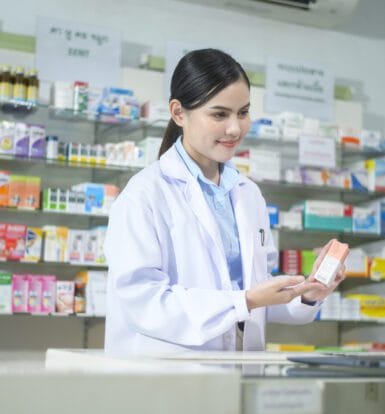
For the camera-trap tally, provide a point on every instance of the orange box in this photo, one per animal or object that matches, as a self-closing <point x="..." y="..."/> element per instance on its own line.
<point x="4" y="188"/>
<point x="3" y="251"/>
<point x="31" y="194"/>
<point x="16" y="190"/>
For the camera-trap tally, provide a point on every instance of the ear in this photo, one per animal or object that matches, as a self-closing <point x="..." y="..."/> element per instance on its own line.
<point x="176" y="111"/>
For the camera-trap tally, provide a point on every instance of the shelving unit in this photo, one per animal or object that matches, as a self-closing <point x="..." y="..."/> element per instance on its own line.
<point x="75" y="127"/>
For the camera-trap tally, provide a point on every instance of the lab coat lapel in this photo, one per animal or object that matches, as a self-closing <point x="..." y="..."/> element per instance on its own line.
<point x="172" y="166"/>
<point x="245" y="220"/>
<point x="204" y="215"/>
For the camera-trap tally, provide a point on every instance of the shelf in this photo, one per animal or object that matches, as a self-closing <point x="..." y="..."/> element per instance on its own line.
<point x="15" y="263"/>
<point x="68" y="164"/>
<point x="343" y="149"/>
<point x="282" y="185"/>
<point x="18" y="107"/>
<point x="53" y="213"/>
<point x="363" y="236"/>
<point x="354" y="321"/>
<point x="56" y="315"/>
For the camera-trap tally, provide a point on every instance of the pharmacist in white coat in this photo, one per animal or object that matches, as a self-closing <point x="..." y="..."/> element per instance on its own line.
<point x="188" y="245"/>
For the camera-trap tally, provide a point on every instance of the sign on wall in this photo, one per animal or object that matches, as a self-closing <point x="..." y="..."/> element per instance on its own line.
<point x="71" y="51"/>
<point x="299" y="87"/>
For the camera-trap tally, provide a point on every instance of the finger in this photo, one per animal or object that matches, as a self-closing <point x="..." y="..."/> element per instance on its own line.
<point x="287" y="281"/>
<point x="308" y="287"/>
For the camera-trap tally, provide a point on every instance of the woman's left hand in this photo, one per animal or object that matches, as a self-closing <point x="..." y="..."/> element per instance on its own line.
<point x="321" y="292"/>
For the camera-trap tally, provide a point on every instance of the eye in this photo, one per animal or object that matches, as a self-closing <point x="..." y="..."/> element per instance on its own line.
<point x="244" y="114"/>
<point x="219" y="115"/>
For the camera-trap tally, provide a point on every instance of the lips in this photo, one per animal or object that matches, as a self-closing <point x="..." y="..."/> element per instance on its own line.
<point x="228" y="144"/>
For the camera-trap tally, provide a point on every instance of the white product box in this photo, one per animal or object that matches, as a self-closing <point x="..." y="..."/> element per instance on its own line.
<point x="5" y="292"/>
<point x="55" y="244"/>
<point x="265" y="165"/>
<point x="357" y="263"/>
<point x="65" y="292"/>
<point x="291" y="220"/>
<point x="150" y="147"/>
<point x="63" y="95"/>
<point x="156" y="111"/>
<point x="367" y="218"/>
<point x="76" y="240"/>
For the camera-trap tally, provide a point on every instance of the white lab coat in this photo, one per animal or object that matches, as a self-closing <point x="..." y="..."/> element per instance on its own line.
<point x="169" y="288"/>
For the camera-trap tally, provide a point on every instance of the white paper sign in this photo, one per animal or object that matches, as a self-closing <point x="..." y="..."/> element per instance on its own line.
<point x="317" y="152"/>
<point x="69" y="51"/>
<point x="284" y="398"/>
<point x="302" y="87"/>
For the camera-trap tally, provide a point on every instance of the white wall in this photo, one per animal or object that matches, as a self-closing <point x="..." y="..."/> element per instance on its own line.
<point x="360" y="61"/>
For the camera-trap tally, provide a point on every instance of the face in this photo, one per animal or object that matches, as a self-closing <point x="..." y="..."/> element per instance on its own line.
<point x="212" y="132"/>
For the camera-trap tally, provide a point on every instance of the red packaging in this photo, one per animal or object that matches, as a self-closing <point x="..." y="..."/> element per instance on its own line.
<point x="15" y="241"/>
<point x="291" y="262"/>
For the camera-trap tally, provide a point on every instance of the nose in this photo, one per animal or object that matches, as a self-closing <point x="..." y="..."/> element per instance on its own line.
<point x="233" y="127"/>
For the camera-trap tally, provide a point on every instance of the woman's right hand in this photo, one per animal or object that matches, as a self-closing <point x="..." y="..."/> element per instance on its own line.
<point x="277" y="290"/>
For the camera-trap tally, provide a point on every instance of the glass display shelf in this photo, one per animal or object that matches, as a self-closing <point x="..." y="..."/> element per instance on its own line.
<point x="279" y="185"/>
<point x="42" y="264"/>
<point x="363" y="236"/>
<point x="51" y="212"/>
<point x="354" y="321"/>
<point x="18" y="106"/>
<point x="56" y="315"/>
<point x="67" y="164"/>
<point x="253" y="141"/>
<point x="283" y="185"/>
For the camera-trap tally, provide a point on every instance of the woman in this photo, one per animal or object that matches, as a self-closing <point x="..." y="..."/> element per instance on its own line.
<point x="188" y="244"/>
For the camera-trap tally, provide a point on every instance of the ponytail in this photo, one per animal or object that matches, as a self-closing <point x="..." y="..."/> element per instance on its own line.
<point x="173" y="131"/>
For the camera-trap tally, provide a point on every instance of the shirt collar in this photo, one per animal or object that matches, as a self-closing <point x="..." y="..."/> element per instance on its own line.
<point x="228" y="173"/>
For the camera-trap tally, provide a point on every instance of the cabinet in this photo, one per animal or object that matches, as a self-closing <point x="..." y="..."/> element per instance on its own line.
<point x="40" y="332"/>
<point x="24" y="331"/>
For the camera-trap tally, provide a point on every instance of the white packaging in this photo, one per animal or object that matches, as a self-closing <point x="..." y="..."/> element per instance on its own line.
<point x="324" y="208"/>
<point x="265" y="165"/>
<point x="356" y="263"/>
<point x="328" y="270"/>
<point x="367" y="218"/>
<point x="5" y="292"/>
<point x="65" y="295"/>
<point x="156" y="112"/>
<point x="290" y="220"/>
<point x="63" y="95"/>
<point x="98" y="292"/>
<point x="7" y="137"/>
<point x="76" y="240"/>
<point x="151" y="147"/>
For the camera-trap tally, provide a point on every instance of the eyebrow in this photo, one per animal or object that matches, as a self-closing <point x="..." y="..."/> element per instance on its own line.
<point x="224" y="108"/>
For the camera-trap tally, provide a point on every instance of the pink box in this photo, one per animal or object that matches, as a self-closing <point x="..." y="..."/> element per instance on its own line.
<point x="34" y="294"/>
<point x="48" y="294"/>
<point x="19" y="293"/>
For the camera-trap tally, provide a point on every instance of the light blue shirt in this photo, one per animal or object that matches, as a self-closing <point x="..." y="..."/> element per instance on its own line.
<point x="219" y="200"/>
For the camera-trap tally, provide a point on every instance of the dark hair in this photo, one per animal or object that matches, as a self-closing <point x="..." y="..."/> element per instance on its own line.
<point x="199" y="76"/>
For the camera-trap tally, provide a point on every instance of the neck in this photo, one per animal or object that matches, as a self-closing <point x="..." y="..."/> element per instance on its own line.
<point x="209" y="168"/>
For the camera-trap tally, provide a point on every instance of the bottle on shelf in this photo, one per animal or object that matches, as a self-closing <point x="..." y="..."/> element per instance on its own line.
<point x="20" y="85"/>
<point x="6" y="84"/>
<point x="32" y="86"/>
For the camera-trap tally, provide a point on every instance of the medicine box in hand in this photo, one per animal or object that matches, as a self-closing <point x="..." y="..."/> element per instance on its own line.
<point x="331" y="263"/>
